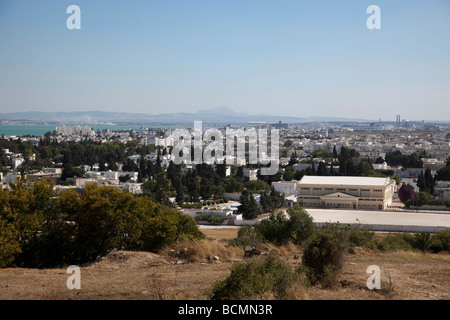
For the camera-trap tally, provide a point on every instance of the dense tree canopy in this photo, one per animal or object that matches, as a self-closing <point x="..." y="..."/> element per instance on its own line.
<point x="396" y="158"/>
<point x="405" y="193"/>
<point x="42" y="228"/>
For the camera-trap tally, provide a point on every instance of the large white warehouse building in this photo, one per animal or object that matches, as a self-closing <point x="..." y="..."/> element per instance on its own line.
<point x="345" y="192"/>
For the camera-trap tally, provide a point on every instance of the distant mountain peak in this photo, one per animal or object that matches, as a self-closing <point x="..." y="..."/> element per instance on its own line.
<point x="220" y="110"/>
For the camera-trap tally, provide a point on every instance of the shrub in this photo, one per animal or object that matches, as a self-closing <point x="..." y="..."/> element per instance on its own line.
<point x="422" y="241"/>
<point x="363" y="237"/>
<point x="247" y="236"/>
<point x="279" y="228"/>
<point x="324" y="254"/>
<point x="257" y="278"/>
<point x="441" y="241"/>
<point x="211" y="219"/>
<point x="9" y="246"/>
<point x="39" y="228"/>
<point x="395" y="242"/>
<point x="195" y="205"/>
<point x="165" y="227"/>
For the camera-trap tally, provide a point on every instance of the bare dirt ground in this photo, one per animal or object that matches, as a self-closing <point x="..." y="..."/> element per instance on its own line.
<point x="189" y="272"/>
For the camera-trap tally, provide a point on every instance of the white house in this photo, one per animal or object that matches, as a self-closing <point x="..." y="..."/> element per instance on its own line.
<point x="442" y="189"/>
<point x="287" y="188"/>
<point x="381" y="166"/>
<point x="11" y="177"/>
<point x="115" y="175"/>
<point x="251" y="174"/>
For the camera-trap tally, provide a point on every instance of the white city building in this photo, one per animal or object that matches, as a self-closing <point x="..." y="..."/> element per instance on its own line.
<point x="287" y="188"/>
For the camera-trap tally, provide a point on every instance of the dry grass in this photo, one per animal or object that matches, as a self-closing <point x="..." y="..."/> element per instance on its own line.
<point x="128" y="259"/>
<point x="143" y="275"/>
<point x="204" y="251"/>
<point x="220" y="235"/>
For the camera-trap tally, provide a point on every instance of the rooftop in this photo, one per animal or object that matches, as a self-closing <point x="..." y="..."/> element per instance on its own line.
<point x="344" y="180"/>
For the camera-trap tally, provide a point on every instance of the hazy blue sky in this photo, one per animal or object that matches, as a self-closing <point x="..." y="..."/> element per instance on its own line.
<point x="286" y="57"/>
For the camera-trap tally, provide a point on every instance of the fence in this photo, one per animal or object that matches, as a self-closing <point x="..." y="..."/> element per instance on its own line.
<point x="418" y="210"/>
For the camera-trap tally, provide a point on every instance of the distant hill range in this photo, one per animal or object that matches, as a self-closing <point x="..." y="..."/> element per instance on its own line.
<point x="219" y="115"/>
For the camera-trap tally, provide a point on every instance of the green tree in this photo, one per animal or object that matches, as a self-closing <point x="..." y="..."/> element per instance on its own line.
<point x="276" y="198"/>
<point x="379" y="160"/>
<point x="105" y="221"/>
<point x="129" y="166"/>
<point x="70" y="172"/>
<point x="343" y="158"/>
<point x="9" y="235"/>
<point x="293" y="160"/>
<point x="429" y="181"/>
<point x="254" y="278"/>
<point x="9" y="246"/>
<point x="405" y="193"/>
<point x="265" y="201"/>
<point x="221" y="170"/>
<point x="324" y="254"/>
<point x="289" y="173"/>
<point x="249" y="208"/>
<point x="233" y="184"/>
<point x="162" y="227"/>
<point x="279" y="228"/>
<point x="162" y="189"/>
<point x="332" y="173"/>
<point x="443" y="173"/>
<point x="148" y="187"/>
<point x="421" y="183"/>
<point x="422" y="241"/>
<point x="124" y="178"/>
<point x="240" y="172"/>
<point x="322" y="169"/>
<point x="288" y="143"/>
<point x="270" y="200"/>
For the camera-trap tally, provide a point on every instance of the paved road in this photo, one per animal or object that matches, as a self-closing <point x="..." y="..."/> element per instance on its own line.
<point x="384" y="220"/>
<point x="376" y="220"/>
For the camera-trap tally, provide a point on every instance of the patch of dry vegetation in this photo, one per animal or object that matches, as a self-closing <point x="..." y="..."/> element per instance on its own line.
<point x="130" y="259"/>
<point x="143" y="275"/>
<point x="203" y="251"/>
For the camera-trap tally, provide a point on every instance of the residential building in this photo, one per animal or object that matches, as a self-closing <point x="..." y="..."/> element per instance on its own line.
<point x="442" y="190"/>
<point x="251" y="174"/>
<point x="433" y="164"/>
<point x="287" y="188"/>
